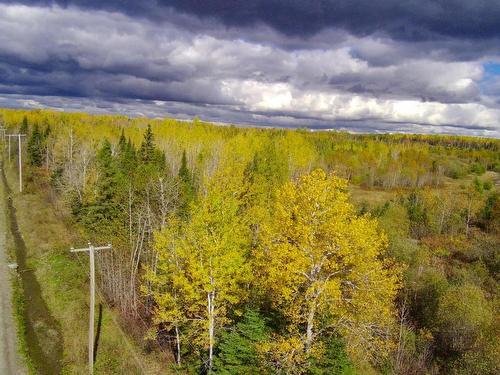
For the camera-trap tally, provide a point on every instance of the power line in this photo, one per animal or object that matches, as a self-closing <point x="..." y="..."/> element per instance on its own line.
<point x="91" y="250"/>
<point x="18" y="136"/>
<point x="117" y="324"/>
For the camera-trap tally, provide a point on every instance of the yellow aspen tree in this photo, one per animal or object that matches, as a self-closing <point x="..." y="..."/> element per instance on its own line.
<point x="321" y="265"/>
<point x="205" y="267"/>
<point x="166" y="288"/>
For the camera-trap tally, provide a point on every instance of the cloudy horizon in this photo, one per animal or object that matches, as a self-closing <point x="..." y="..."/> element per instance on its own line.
<point x="388" y="66"/>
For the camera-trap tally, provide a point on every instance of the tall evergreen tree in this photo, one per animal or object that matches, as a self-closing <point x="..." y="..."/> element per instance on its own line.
<point x="187" y="192"/>
<point x="122" y="142"/>
<point x="147" y="151"/>
<point x="107" y="174"/>
<point x="184" y="173"/>
<point x="100" y="213"/>
<point x="24" y="126"/>
<point x="126" y="155"/>
<point x="35" y="147"/>
<point x="47" y="132"/>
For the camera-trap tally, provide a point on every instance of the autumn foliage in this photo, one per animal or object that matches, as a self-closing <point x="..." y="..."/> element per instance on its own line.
<point x="250" y="251"/>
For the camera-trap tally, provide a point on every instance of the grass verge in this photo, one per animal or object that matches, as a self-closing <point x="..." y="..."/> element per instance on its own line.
<point x="18" y="303"/>
<point x="48" y="234"/>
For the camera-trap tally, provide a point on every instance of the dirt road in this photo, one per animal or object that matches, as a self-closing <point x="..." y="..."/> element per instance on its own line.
<point x="9" y="359"/>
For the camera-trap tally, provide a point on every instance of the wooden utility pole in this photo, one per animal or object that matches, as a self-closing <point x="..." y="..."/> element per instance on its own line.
<point x="20" y="163"/>
<point x="19" y="135"/>
<point x="91" y="249"/>
<point x="2" y="130"/>
<point x="8" y="135"/>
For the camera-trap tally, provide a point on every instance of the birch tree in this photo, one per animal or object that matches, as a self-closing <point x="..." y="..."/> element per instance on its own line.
<point x="203" y="272"/>
<point x="321" y="266"/>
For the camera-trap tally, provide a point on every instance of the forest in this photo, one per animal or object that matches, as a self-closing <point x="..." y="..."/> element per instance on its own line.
<point x="274" y="251"/>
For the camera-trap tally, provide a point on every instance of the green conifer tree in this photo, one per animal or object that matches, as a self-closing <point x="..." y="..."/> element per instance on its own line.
<point x="122" y="142"/>
<point x="187" y="191"/>
<point x="335" y="360"/>
<point x="237" y="349"/>
<point x="24" y="126"/>
<point x="126" y="155"/>
<point x="106" y="173"/>
<point x="100" y="213"/>
<point x="47" y="132"/>
<point x="35" y="145"/>
<point x="147" y="150"/>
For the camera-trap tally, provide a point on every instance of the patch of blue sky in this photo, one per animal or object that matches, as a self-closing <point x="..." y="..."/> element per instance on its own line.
<point x="492" y="68"/>
<point x="490" y="77"/>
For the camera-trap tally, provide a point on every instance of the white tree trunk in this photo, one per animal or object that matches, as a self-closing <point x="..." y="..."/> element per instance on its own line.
<point x="211" y="324"/>
<point x="310" y="326"/>
<point x="178" y="339"/>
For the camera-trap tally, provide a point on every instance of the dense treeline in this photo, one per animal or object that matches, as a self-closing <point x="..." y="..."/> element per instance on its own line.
<point x="242" y="248"/>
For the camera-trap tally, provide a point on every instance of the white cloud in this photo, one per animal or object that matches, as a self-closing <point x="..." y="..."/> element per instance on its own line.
<point x="339" y="106"/>
<point x="103" y="55"/>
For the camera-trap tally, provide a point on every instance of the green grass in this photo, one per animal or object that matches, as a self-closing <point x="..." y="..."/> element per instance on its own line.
<point x="17" y="299"/>
<point x="372" y="198"/>
<point x="18" y="303"/>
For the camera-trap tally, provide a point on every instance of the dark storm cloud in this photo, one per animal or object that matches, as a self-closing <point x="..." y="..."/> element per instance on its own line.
<point x="402" y="19"/>
<point x="96" y="56"/>
<point x="454" y="30"/>
<point x="413" y="19"/>
<point x="296" y="63"/>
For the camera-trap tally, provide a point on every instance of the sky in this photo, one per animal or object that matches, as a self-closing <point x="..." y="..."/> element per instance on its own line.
<point x="420" y="66"/>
